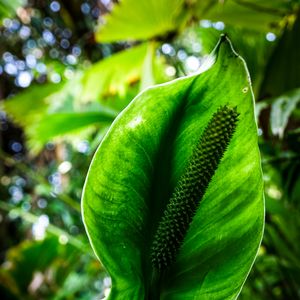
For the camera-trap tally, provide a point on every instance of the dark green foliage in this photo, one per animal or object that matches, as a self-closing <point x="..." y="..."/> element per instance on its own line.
<point x="192" y="186"/>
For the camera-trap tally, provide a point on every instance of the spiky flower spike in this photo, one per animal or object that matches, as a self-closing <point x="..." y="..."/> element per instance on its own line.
<point x="191" y="187"/>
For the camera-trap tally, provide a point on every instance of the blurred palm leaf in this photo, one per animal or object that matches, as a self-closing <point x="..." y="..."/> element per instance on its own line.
<point x="114" y="75"/>
<point x="55" y="110"/>
<point x="60" y="124"/>
<point x="141" y="20"/>
<point x="51" y="111"/>
<point x="251" y="14"/>
<point x="281" y="110"/>
<point x="30" y="106"/>
<point x="284" y="60"/>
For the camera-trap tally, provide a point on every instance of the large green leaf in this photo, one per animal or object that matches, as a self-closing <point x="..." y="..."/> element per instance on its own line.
<point x="140" y="20"/>
<point x="252" y="45"/>
<point x="251" y="14"/>
<point x="137" y="166"/>
<point x="144" y="19"/>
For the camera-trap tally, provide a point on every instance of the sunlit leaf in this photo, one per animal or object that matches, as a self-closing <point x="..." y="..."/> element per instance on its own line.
<point x="115" y="74"/>
<point x="147" y="76"/>
<point x="141" y="20"/>
<point x="30" y="106"/>
<point x="8" y="8"/>
<point x="60" y="124"/>
<point x="51" y="111"/>
<point x="251" y="44"/>
<point x="253" y="14"/>
<point x="137" y="167"/>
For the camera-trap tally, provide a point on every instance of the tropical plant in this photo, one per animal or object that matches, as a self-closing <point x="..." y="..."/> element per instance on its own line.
<point x="152" y="147"/>
<point x="68" y="68"/>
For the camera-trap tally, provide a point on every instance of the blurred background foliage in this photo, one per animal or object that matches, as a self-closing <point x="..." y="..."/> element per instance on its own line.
<point x="67" y="68"/>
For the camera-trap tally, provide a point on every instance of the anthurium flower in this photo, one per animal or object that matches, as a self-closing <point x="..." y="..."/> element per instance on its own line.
<point x="173" y="201"/>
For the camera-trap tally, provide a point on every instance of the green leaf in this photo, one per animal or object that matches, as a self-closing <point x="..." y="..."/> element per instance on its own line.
<point x="250" y="44"/>
<point x="8" y="8"/>
<point x="49" y="112"/>
<point x="281" y="109"/>
<point x="141" y="20"/>
<point x="147" y="76"/>
<point x="111" y="80"/>
<point x="251" y="14"/>
<point x="285" y="59"/>
<point x="58" y="124"/>
<point x="114" y="74"/>
<point x="31" y="105"/>
<point x="24" y="259"/>
<point x="139" y="163"/>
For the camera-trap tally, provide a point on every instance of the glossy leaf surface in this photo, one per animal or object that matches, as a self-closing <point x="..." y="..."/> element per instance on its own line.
<point x="137" y="166"/>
